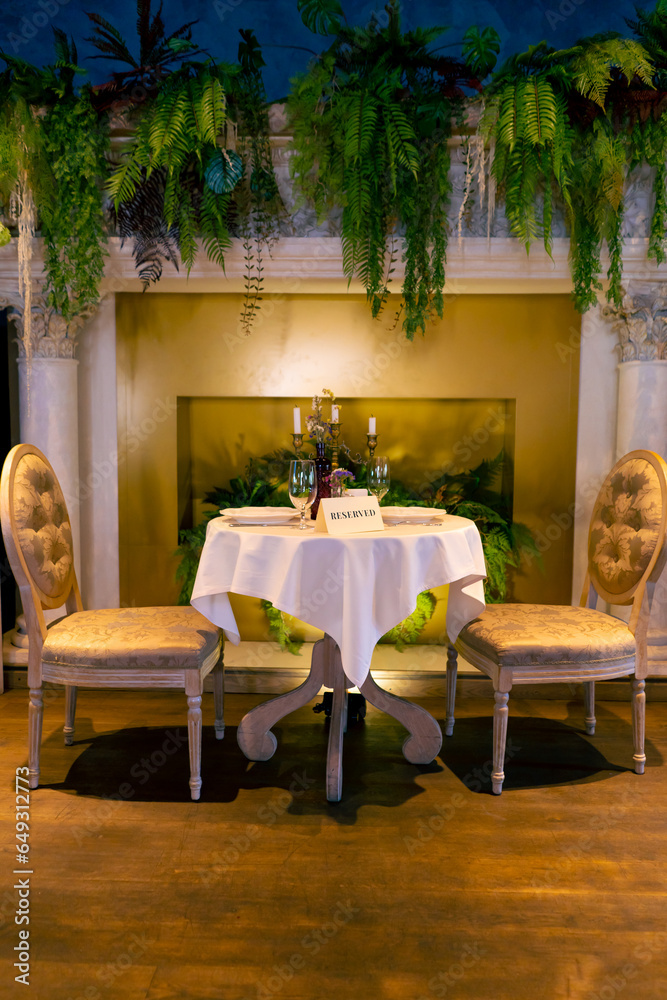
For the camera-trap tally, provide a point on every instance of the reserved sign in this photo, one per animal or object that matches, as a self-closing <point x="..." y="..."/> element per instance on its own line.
<point x="349" y="515"/>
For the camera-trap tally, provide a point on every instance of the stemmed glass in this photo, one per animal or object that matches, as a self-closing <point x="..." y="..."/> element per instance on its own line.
<point x="378" y="476"/>
<point x="302" y="487"/>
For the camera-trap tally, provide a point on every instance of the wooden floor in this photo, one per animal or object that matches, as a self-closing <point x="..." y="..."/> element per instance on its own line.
<point x="419" y="884"/>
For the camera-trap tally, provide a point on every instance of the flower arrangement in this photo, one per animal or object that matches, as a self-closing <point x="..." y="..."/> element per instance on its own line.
<point x="318" y="427"/>
<point x="340" y="476"/>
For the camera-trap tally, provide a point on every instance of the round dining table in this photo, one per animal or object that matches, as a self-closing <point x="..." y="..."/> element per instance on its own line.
<point x="355" y="588"/>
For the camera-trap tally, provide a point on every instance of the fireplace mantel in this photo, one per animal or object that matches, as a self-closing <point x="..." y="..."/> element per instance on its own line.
<point x="314" y="264"/>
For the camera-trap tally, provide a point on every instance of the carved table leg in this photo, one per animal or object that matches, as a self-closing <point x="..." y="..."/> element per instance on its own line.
<point x="254" y="733"/>
<point x="337" y="727"/>
<point x="219" y="699"/>
<point x="425" y="740"/>
<point x="452" y="671"/>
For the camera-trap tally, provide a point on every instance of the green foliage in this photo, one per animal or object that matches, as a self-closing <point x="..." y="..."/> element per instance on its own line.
<point x="72" y="221"/>
<point x="560" y="123"/>
<point x="176" y="183"/>
<point x="279" y="629"/>
<point x="158" y="53"/>
<point x="58" y="153"/>
<point x="407" y="632"/>
<point x="480" y="50"/>
<point x="191" y="542"/>
<point x="321" y="16"/>
<point x="370" y="120"/>
<point x="176" y="138"/>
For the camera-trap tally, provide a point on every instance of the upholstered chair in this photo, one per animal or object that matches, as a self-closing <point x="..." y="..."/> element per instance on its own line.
<point x="169" y="647"/>
<point x="540" y="644"/>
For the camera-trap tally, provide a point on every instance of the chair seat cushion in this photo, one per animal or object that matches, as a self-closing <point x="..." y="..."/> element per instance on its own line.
<point x="127" y="638"/>
<point x="520" y="634"/>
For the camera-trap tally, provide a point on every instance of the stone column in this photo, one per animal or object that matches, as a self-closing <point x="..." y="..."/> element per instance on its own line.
<point x="48" y="396"/>
<point x="641" y="421"/>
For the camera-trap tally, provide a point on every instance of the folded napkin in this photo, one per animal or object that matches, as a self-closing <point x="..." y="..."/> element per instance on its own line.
<point x="417" y="515"/>
<point x="260" y="515"/>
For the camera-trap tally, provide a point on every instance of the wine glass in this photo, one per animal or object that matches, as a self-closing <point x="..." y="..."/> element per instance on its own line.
<point x="302" y="487"/>
<point x="378" y="476"/>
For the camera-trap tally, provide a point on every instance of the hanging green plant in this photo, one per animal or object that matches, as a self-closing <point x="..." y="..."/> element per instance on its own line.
<point x="176" y="182"/>
<point x="370" y="121"/>
<point x="52" y="153"/>
<point x="560" y="124"/>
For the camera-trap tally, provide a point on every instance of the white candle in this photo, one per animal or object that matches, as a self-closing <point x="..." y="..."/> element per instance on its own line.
<point x="334" y="414"/>
<point x="297" y="420"/>
<point x="371" y="425"/>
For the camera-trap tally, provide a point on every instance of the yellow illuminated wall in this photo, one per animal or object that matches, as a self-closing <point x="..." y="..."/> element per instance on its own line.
<point x="197" y="398"/>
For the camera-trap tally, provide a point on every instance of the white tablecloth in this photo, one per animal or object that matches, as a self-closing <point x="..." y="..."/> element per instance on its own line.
<point x="355" y="588"/>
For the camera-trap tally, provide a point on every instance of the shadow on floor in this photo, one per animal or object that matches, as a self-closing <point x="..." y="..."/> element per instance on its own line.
<point x="540" y="753"/>
<point x="145" y="764"/>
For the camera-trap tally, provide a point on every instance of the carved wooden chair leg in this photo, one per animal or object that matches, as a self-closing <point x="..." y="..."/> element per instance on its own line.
<point x="638" y="722"/>
<point x="219" y="698"/>
<point x="35" y="713"/>
<point x="193" y="688"/>
<point x="589" y="705"/>
<point x="500" y="713"/>
<point x="70" y="712"/>
<point x="452" y="671"/>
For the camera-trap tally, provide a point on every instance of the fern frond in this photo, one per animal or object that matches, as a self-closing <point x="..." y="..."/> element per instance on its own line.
<point x="540" y="110"/>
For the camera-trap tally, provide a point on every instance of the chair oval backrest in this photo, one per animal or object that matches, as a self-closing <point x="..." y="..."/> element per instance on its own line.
<point x="36" y="526"/>
<point x="628" y="525"/>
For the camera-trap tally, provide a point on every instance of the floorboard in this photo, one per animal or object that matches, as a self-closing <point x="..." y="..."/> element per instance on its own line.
<point x="420" y="884"/>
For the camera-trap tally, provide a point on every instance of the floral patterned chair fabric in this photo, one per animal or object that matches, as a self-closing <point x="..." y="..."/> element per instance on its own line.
<point x="116" y="639"/>
<point x="532" y="643"/>
<point x="116" y="648"/>
<point x="625" y="526"/>
<point x="42" y="524"/>
<point x="520" y="634"/>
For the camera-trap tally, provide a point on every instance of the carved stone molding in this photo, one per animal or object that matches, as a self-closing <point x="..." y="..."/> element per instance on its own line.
<point x="641" y="322"/>
<point x="52" y="336"/>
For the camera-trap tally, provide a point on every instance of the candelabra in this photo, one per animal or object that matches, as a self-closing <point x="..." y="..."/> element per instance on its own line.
<point x="372" y="443"/>
<point x="335" y="434"/>
<point x="298" y="441"/>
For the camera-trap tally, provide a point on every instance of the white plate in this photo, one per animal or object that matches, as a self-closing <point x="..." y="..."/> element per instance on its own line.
<point x="260" y="515"/>
<point x="411" y="515"/>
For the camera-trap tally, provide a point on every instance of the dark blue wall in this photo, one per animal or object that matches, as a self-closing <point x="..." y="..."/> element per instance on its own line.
<point x="26" y="26"/>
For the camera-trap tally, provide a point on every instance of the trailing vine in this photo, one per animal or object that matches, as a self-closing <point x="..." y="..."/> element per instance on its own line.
<point x="407" y="632"/>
